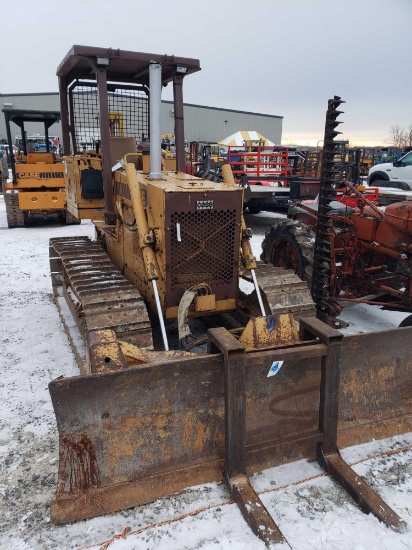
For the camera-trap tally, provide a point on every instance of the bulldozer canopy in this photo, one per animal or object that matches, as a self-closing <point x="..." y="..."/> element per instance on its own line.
<point x="245" y="135"/>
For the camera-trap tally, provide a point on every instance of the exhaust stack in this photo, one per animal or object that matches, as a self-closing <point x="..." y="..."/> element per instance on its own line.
<point x="155" y="84"/>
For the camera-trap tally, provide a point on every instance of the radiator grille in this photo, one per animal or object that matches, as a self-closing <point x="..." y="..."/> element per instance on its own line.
<point x="206" y="250"/>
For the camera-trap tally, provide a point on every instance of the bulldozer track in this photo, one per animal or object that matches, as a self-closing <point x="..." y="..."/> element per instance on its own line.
<point x="97" y="293"/>
<point x="70" y="219"/>
<point x="284" y="291"/>
<point x="15" y="216"/>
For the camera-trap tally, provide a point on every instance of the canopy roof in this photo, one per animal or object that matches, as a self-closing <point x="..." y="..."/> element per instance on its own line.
<point x="18" y="116"/>
<point x="122" y="65"/>
<point x="245" y="135"/>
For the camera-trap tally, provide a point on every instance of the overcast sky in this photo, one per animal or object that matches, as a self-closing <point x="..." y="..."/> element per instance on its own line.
<point x="281" y="57"/>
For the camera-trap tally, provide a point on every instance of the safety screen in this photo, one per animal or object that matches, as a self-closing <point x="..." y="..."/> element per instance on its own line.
<point x="128" y="114"/>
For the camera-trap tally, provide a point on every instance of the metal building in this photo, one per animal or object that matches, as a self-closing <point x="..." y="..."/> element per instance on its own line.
<point x="202" y="123"/>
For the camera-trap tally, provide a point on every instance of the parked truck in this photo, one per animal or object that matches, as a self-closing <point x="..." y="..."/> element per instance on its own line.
<point x="397" y="174"/>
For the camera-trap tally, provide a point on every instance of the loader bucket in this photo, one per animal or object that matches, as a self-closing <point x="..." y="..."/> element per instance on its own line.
<point x="130" y="436"/>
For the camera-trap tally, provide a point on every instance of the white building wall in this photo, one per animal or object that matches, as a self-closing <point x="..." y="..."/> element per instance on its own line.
<point x="202" y="123"/>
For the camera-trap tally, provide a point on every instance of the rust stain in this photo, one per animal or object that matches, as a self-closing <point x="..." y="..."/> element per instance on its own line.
<point x="364" y="390"/>
<point x="406" y="394"/>
<point x="153" y="440"/>
<point x="78" y="465"/>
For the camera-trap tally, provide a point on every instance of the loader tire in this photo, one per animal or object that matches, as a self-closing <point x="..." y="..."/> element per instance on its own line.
<point x="69" y="219"/>
<point x="15" y="216"/>
<point x="290" y="244"/>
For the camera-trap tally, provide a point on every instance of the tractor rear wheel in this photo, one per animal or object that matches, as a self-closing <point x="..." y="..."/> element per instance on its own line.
<point x="290" y="244"/>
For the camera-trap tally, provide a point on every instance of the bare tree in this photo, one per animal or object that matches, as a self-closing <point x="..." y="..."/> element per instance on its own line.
<point x="397" y="135"/>
<point x="401" y="136"/>
<point x="409" y="135"/>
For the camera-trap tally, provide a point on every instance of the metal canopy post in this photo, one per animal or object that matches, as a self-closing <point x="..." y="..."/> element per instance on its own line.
<point x="46" y="136"/>
<point x="179" y="121"/>
<point x="23" y="137"/>
<point x="11" y="151"/>
<point x="64" y="110"/>
<point x="72" y="123"/>
<point x="101" y="78"/>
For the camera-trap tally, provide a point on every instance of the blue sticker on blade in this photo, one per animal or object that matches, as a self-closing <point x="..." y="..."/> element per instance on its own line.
<point x="275" y="368"/>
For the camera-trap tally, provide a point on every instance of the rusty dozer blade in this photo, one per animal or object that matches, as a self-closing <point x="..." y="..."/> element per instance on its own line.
<point x="130" y="435"/>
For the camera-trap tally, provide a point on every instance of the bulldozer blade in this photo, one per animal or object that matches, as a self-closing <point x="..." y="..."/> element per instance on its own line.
<point x="130" y="436"/>
<point x="375" y="392"/>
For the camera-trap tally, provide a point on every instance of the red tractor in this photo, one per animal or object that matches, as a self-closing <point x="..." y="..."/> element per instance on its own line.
<point x="360" y="254"/>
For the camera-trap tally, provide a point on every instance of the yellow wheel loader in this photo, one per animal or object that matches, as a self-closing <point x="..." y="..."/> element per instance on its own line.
<point x="147" y="416"/>
<point x="37" y="185"/>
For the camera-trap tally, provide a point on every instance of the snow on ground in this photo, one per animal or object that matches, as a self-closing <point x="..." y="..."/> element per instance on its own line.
<point x="34" y="349"/>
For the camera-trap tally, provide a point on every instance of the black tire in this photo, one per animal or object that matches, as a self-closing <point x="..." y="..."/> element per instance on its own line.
<point x="407" y="322"/>
<point x="378" y="177"/>
<point x="380" y="183"/>
<point x="400" y="185"/>
<point x="255" y="208"/>
<point x="290" y="244"/>
<point x="392" y="184"/>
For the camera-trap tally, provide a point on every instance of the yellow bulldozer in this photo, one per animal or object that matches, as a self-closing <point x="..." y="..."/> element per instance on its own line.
<point x="154" y="409"/>
<point x="37" y="185"/>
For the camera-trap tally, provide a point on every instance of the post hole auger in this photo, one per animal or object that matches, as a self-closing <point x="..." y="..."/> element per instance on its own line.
<point x="141" y="422"/>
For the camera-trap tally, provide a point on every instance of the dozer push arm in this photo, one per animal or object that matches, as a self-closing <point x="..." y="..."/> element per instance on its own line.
<point x="145" y="238"/>
<point x="145" y="242"/>
<point x="249" y="260"/>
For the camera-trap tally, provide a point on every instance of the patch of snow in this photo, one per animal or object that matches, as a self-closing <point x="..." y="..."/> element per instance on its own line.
<point x="311" y="509"/>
